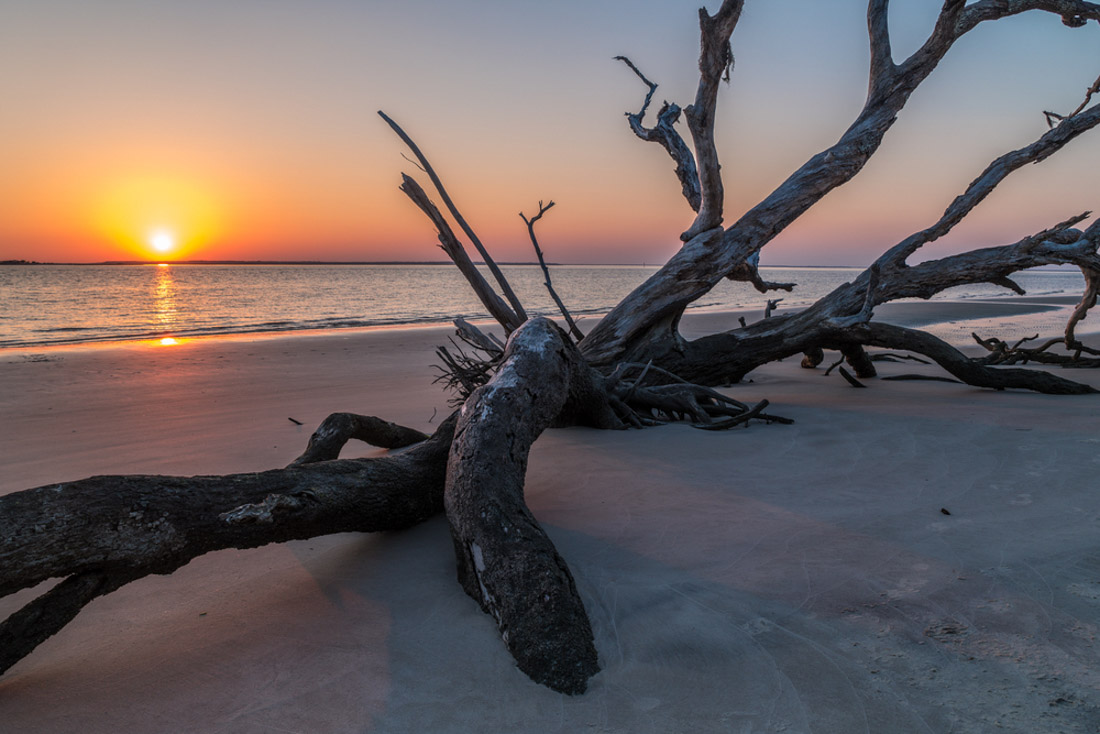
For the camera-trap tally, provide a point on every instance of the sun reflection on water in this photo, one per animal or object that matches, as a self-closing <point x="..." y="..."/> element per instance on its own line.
<point x="165" y="311"/>
<point x="164" y="297"/>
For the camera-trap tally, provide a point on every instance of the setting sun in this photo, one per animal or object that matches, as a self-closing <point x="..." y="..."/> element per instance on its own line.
<point x="162" y="241"/>
<point x="148" y="216"/>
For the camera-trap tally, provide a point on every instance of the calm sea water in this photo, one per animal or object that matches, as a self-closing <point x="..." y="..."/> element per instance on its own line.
<point x="44" y="305"/>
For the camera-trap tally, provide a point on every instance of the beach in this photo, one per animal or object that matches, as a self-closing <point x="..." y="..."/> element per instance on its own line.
<point x="913" y="557"/>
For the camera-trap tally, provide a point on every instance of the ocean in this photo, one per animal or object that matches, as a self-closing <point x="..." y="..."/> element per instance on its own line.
<point x="49" y="305"/>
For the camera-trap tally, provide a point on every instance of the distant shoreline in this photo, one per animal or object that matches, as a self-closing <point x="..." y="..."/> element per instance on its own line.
<point x="419" y="262"/>
<point x="447" y="263"/>
<point x="260" y="262"/>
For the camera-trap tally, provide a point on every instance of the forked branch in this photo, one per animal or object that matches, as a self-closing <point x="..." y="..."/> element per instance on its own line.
<point x="546" y="271"/>
<point x="664" y="133"/>
<point x="1053" y="118"/>
<point x="996" y="172"/>
<point x="653" y="309"/>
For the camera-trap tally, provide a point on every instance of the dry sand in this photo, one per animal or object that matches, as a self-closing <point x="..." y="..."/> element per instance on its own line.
<point x="770" y="579"/>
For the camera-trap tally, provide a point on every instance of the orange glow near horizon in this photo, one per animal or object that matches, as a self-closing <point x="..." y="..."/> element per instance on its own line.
<point x="262" y="143"/>
<point x="152" y="217"/>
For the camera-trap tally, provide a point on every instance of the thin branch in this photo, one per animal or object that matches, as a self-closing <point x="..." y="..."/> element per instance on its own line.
<point x="1088" y="300"/>
<point x="1074" y="13"/>
<point x="1001" y="353"/>
<point x="640" y="115"/>
<point x="849" y="378"/>
<point x="546" y="271"/>
<point x="414" y="162"/>
<point x="339" y="428"/>
<point x="749" y="272"/>
<point x="664" y="133"/>
<point x="1047" y="145"/>
<point x="517" y="306"/>
<point x="969" y="371"/>
<point x="454" y="249"/>
<point x="1053" y="118"/>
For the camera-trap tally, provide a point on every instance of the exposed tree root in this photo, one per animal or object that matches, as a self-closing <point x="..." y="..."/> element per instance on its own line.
<point x="339" y="428"/>
<point x="970" y="371"/>
<point x="1001" y="353"/>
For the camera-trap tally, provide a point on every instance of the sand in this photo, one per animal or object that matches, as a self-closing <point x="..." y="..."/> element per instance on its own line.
<point x="771" y="579"/>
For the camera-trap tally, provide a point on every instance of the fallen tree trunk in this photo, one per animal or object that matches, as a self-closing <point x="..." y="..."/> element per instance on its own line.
<point x="505" y="560"/>
<point x="101" y="533"/>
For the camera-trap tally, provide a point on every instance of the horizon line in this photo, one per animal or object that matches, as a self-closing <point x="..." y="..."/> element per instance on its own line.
<point x="370" y="262"/>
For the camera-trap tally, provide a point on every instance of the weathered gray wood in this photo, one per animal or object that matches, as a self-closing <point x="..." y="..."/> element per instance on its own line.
<point x="664" y="133"/>
<point x="651" y="311"/>
<point x="506" y="562"/>
<point x="570" y="324"/>
<point x="1088" y="300"/>
<point x="715" y="62"/>
<point x="454" y="249"/>
<point x="339" y="428"/>
<point x="103" y="532"/>
<point x="97" y="534"/>
<point x="968" y="370"/>
<point x="505" y="286"/>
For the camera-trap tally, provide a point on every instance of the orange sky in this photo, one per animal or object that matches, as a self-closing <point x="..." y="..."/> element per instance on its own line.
<point x="248" y="132"/>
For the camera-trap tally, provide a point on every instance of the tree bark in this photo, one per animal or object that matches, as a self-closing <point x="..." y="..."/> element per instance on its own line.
<point x="653" y="309"/>
<point x="103" y="532"/>
<point x="505" y="560"/>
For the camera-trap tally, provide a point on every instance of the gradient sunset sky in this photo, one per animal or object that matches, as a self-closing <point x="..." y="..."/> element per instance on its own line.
<point x="247" y="129"/>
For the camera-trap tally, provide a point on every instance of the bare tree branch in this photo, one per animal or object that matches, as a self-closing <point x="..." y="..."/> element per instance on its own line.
<point x="509" y="294"/>
<point x="878" y="30"/>
<point x="339" y="428"/>
<point x="1074" y="13"/>
<point x="996" y="172"/>
<point x="454" y="249"/>
<point x="653" y="308"/>
<point x="749" y="271"/>
<point x="665" y="134"/>
<point x="1053" y="118"/>
<point x="103" y="532"/>
<point x="1088" y="300"/>
<point x="546" y="271"/>
<point x="715" y="63"/>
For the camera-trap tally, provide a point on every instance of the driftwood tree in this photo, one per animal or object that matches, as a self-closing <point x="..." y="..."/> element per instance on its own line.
<point x="632" y="369"/>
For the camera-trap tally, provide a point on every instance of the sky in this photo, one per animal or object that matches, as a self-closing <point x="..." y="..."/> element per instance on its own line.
<point x="247" y="130"/>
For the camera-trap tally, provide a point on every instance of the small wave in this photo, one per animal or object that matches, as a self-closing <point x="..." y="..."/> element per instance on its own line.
<point x="68" y="305"/>
<point x="63" y="329"/>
